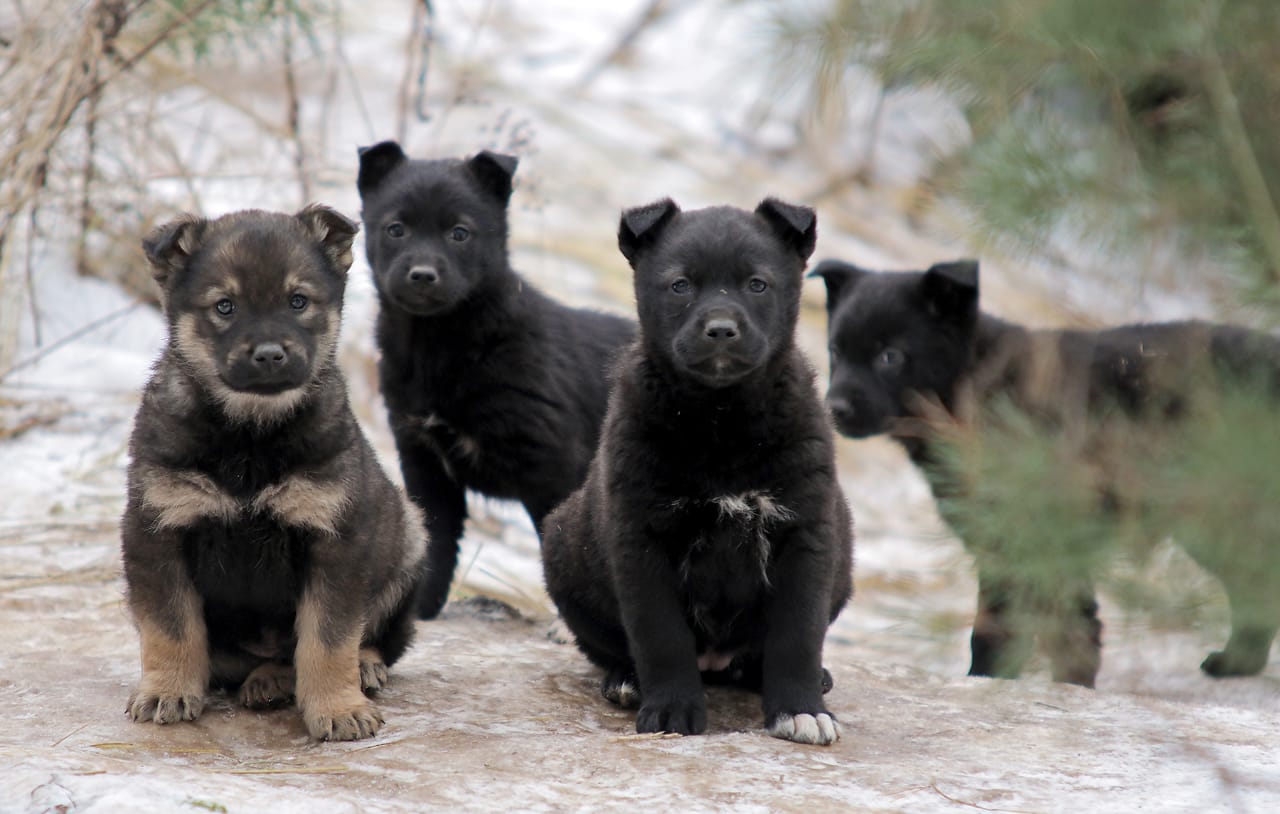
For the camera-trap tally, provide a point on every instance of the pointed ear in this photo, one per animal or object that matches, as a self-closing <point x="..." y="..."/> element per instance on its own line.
<point x="641" y="224"/>
<point x="840" y="278"/>
<point x="951" y="289"/>
<point x="796" y="226"/>
<point x="376" y="163"/>
<point x="169" y="247"/>
<point x="334" y="232"/>
<point x="494" y="171"/>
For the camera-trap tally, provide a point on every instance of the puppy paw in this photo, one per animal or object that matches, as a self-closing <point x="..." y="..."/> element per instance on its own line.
<point x="1225" y="664"/>
<point x="681" y="715"/>
<point x="164" y="709"/>
<point x="622" y="688"/>
<point x="821" y="729"/>
<point x="373" y="672"/>
<point x="269" y="686"/>
<point x="356" y="723"/>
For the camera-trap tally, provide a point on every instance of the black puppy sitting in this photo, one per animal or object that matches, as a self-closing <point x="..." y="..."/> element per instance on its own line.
<point x="711" y="536"/>
<point x="489" y="384"/>
<point x="905" y="344"/>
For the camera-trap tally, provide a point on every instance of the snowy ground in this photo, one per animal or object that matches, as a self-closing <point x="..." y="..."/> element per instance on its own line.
<point x="490" y="712"/>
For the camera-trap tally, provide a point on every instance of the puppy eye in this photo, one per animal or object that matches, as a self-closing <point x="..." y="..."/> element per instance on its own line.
<point x="297" y="302"/>
<point x="890" y="359"/>
<point x="396" y="229"/>
<point x="459" y="234"/>
<point x="757" y="286"/>
<point x="680" y="286"/>
<point x="225" y="307"/>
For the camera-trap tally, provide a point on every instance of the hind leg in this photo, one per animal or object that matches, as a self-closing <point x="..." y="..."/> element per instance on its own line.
<point x="1246" y="651"/>
<point x="1074" y="644"/>
<point x="1001" y="641"/>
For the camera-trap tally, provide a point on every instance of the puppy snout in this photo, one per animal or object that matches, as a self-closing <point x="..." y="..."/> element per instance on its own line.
<point x="424" y="275"/>
<point x="722" y="329"/>
<point x="841" y="409"/>
<point x="269" y="356"/>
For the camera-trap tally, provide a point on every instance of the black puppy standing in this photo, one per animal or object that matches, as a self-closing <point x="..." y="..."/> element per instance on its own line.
<point x="264" y="547"/>
<point x="489" y="384"/>
<point x="900" y="340"/>
<point x="711" y="537"/>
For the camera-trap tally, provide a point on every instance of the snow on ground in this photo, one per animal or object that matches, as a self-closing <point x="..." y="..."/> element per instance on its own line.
<point x="490" y="712"/>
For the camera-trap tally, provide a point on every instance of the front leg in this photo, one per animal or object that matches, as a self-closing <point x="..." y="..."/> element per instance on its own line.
<point x="798" y="613"/>
<point x="330" y="626"/>
<point x="660" y="639"/>
<point x="443" y="501"/>
<point x="1001" y="639"/>
<point x="170" y="618"/>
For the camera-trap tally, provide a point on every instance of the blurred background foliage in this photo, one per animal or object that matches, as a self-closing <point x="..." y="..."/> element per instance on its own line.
<point x="1120" y="123"/>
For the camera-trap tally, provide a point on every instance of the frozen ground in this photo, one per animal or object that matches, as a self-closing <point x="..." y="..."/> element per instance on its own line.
<point x="491" y="711"/>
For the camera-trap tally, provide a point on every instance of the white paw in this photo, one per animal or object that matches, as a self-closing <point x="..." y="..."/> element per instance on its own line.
<point x="820" y="729"/>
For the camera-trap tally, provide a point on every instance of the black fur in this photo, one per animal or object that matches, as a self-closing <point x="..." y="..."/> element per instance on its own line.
<point x="903" y="342"/>
<point x="711" y="535"/>
<point x="490" y="385"/>
<point x="251" y="486"/>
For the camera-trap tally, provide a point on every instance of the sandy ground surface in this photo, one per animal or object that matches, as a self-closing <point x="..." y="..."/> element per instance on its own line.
<point x="492" y="710"/>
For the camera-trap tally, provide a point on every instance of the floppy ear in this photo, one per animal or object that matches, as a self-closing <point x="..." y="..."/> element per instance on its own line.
<point x="169" y="247"/>
<point x="951" y="289"/>
<point x="641" y="224"/>
<point x="334" y="232"/>
<point x="376" y="163"/>
<point x="796" y="226"/>
<point x="840" y="278"/>
<point x="494" y="171"/>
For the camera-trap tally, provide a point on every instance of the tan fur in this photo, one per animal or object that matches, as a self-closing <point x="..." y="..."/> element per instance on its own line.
<point x="305" y="502"/>
<point x="328" y="681"/>
<point x="180" y="498"/>
<point x="175" y="672"/>
<point x="271" y="684"/>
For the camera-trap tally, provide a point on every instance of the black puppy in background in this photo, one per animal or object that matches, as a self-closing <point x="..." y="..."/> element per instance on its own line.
<point x="489" y="384"/>
<point x="904" y="345"/>
<point x="711" y="538"/>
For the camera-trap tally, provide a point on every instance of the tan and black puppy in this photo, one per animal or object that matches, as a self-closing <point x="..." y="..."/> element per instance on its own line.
<point x="264" y="547"/>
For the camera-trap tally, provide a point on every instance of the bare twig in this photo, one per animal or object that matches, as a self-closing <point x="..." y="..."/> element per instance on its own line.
<point x="294" y="107"/>
<point x="71" y="337"/>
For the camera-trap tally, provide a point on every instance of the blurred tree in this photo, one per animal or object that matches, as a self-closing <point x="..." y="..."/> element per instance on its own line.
<point x="1124" y="121"/>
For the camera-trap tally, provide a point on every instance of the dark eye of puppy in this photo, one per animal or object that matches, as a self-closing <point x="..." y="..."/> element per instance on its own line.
<point x="395" y="229"/>
<point x="757" y="286"/>
<point x="680" y="286"/>
<point x="297" y="302"/>
<point x="889" y="360"/>
<point x="225" y="307"/>
<point x="460" y="234"/>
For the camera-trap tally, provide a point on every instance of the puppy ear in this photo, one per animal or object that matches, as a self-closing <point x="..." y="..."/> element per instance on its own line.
<point x="797" y="226"/>
<point x="840" y="278"/>
<point x="494" y="171"/>
<point x="169" y="247"/>
<point x="951" y="289"/>
<point x="376" y="163"/>
<point x="334" y="232"/>
<point x="641" y="224"/>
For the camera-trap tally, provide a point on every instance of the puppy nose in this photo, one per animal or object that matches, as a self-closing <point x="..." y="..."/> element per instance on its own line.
<point x="841" y="408"/>
<point x="722" y="329"/>
<point x="423" y="274"/>
<point x="269" y="355"/>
